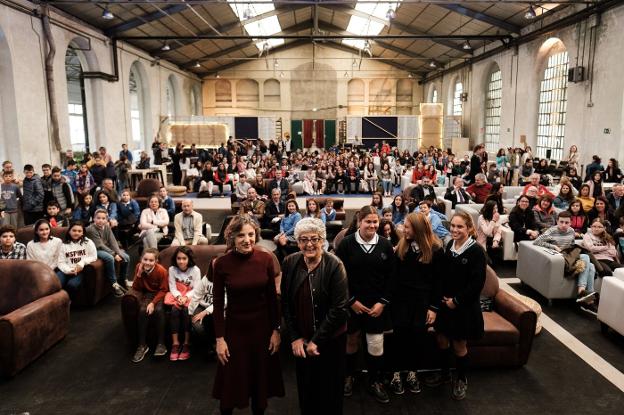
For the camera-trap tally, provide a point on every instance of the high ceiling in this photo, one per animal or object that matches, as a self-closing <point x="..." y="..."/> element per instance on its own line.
<point x="202" y="31"/>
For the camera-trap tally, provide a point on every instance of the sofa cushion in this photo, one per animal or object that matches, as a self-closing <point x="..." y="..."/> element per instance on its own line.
<point x="498" y="331"/>
<point x="203" y="254"/>
<point x="22" y="282"/>
<point x="26" y="234"/>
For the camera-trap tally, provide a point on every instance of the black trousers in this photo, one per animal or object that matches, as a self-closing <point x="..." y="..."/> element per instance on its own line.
<point x="180" y="319"/>
<point x="158" y="314"/>
<point x="320" y="379"/>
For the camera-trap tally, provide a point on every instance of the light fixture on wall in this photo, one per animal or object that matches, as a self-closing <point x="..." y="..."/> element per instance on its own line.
<point x="433" y="64"/>
<point x="466" y="45"/>
<point x="281" y="75"/>
<point x="410" y="75"/>
<point x="346" y="74"/>
<point x="165" y="47"/>
<point x="107" y="15"/>
<point x="367" y="48"/>
<point x="197" y="64"/>
<point x="530" y="14"/>
<point x="390" y="14"/>
<point x="275" y="63"/>
<point x="217" y="75"/>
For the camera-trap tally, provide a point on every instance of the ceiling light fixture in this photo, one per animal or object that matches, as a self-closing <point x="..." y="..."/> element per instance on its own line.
<point x="165" y="47"/>
<point x="466" y="45"/>
<point x="275" y="63"/>
<point x="433" y="64"/>
<point x="247" y="12"/>
<point x="367" y="49"/>
<point x="409" y="75"/>
<point x="530" y="14"/>
<point x="217" y="75"/>
<point x="197" y="64"/>
<point x="390" y="14"/>
<point x="107" y="15"/>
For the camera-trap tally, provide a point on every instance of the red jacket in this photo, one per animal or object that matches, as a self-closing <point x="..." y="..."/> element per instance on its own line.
<point x="156" y="281"/>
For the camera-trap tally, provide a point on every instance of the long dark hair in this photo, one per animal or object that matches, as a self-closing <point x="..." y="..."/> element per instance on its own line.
<point x="72" y="224"/>
<point x="400" y="209"/>
<point x="36" y="228"/>
<point x="186" y="251"/>
<point x="394" y="236"/>
<point x="488" y="209"/>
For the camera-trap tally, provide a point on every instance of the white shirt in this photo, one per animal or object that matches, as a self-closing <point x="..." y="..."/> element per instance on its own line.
<point x="366" y="246"/>
<point x="46" y="253"/>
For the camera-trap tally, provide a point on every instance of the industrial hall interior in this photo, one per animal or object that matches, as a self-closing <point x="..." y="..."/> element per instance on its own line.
<point x="311" y="207"/>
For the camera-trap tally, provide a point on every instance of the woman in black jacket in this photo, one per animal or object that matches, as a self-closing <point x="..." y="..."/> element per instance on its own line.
<point x="459" y="318"/>
<point x="419" y="263"/>
<point x="314" y="305"/>
<point x="522" y="220"/>
<point x="612" y="173"/>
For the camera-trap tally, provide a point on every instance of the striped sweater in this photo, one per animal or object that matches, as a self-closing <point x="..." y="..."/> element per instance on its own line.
<point x="554" y="237"/>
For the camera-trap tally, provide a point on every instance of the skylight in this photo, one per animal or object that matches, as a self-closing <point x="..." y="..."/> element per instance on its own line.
<point x="368" y="26"/>
<point x="264" y="27"/>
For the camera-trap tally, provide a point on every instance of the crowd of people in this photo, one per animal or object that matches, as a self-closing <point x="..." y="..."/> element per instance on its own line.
<point x="403" y="265"/>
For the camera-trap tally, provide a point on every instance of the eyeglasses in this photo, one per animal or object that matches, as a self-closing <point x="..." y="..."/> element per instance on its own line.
<point x="315" y="240"/>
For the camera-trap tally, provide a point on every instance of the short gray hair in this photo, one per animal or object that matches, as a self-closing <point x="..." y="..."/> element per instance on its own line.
<point x="480" y="176"/>
<point x="314" y="225"/>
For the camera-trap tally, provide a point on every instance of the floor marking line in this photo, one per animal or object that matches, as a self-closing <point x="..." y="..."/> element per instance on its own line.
<point x="593" y="359"/>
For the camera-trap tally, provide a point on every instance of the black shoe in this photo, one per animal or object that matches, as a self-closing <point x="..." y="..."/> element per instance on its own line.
<point x="413" y="384"/>
<point x="140" y="353"/>
<point x="460" y="386"/>
<point x="379" y="393"/>
<point x="348" y="386"/>
<point x="396" y="385"/>
<point x="436" y="379"/>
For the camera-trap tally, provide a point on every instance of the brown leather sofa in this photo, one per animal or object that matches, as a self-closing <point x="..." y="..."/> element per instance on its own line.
<point x="509" y="329"/>
<point x="34" y="313"/>
<point x="130" y="302"/>
<point x="95" y="286"/>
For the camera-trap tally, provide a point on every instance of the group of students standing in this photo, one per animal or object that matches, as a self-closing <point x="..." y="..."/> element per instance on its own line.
<point x="332" y="304"/>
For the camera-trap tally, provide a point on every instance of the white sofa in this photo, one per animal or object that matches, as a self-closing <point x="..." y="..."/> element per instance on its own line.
<point x="543" y="270"/>
<point x="611" y="307"/>
<point x="509" y="247"/>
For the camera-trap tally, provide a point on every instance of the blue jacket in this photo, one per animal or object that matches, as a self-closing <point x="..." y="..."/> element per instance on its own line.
<point x="328" y="217"/>
<point x="398" y="217"/>
<point x="112" y="210"/>
<point x="437" y="226"/>
<point x="125" y="211"/>
<point x="169" y="206"/>
<point x="83" y="215"/>
<point x="287" y="224"/>
<point x="32" y="194"/>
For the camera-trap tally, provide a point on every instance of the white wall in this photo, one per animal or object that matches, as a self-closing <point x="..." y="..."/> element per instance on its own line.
<point x="23" y="94"/>
<point x="304" y="87"/>
<point x="522" y="72"/>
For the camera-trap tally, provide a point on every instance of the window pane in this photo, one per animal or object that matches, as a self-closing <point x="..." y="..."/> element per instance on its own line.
<point x="493" y="111"/>
<point x="552" y="108"/>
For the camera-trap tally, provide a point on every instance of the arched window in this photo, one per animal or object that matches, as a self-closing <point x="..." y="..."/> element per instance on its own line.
<point x="272" y="91"/>
<point x="493" y="110"/>
<point x="223" y="91"/>
<point x="136" y="92"/>
<point x="434" y="95"/>
<point x="247" y="91"/>
<point x="195" y="101"/>
<point x="355" y="90"/>
<point x="170" y="98"/>
<point x="553" y="99"/>
<point x="76" y="101"/>
<point x="458" y="89"/>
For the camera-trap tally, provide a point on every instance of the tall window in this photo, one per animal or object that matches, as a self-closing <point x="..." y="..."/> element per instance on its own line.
<point x="493" y="111"/>
<point x="552" y="108"/>
<point x="457" y="102"/>
<point x="136" y="102"/>
<point x="170" y="98"/>
<point x="76" y="108"/>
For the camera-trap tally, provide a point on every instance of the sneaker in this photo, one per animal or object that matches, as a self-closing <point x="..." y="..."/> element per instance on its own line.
<point x="348" y="386"/>
<point x="590" y="308"/>
<point x="436" y="379"/>
<point x="140" y="353"/>
<point x="161" y="350"/>
<point x="175" y="352"/>
<point x="184" y="352"/>
<point x="396" y="385"/>
<point x="584" y="295"/>
<point x="460" y="386"/>
<point x="379" y="393"/>
<point x="119" y="292"/>
<point x="413" y="384"/>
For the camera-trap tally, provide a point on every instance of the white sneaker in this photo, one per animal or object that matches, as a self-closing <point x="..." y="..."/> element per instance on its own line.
<point x="118" y="290"/>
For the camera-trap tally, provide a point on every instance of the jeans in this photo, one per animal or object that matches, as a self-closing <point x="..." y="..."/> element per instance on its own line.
<point x="69" y="282"/>
<point x="586" y="278"/>
<point x="387" y="186"/>
<point x="109" y="266"/>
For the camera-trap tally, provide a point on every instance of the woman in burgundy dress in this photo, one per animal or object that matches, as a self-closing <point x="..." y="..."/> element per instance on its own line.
<point x="248" y="337"/>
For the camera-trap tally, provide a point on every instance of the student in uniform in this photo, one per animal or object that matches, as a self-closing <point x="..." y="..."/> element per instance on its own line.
<point x="369" y="261"/>
<point x="459" y="318"/>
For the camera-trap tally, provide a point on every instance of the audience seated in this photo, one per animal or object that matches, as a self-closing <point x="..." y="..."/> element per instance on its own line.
<point x="9" y="247"/>
<point x="480" y="189"/>
<point x="457" y="194"/>
<point x="188" y="226"/>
